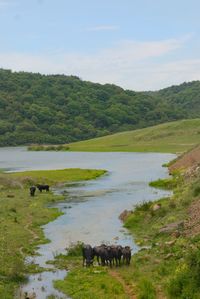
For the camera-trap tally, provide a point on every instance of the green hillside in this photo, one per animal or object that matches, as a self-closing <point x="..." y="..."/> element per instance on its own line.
<point x="172" y="137"/>
<point x="57" y="109"/>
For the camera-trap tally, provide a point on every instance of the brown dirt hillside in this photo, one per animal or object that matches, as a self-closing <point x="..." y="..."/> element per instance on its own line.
<point x="190" y="163"/>
<point x="190" y="159"/>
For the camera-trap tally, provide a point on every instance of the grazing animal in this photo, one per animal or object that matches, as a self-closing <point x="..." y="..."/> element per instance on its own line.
<point x="109" y="256"/>
<point x="126" y="253"/>
<point x="97" y="252"/>
<point x="42" y="187"/>
<point x="88" y="255"/>
<point x="32" y="190"/>
<point x="104" y="253"/>
<point x="116" y="254"/>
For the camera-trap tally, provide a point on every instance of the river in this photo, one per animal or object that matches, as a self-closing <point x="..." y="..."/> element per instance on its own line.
<point x="94" y="205"/>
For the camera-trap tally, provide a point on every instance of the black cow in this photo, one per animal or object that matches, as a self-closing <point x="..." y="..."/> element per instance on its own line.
<point x="42" y="187"/>
<point x="88" y="255"/>
<point x="116" y="254"/>
<point x="126" y="253"/>
<point x="97" y="252"/>
<point x="105" y="253"/>
<point x="32" y="190"/>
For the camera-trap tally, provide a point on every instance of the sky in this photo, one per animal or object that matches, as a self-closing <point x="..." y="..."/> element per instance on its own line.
<point x="136" y="44"/>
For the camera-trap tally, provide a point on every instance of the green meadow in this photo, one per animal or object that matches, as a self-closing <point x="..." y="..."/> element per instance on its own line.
<point x="21" y="217"/>
<point x="56" y="176"/>
<point x="172" y="137"/>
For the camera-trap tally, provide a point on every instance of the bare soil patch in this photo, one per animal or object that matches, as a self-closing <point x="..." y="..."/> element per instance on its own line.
<point x="192" y="225"/>
<point x="187" y="160"/>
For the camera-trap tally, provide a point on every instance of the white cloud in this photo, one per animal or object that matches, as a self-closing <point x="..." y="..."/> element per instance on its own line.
<point x="130" y="64"/>
<point x="103" y="28"/>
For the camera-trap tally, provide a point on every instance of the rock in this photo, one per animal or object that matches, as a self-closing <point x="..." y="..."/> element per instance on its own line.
<point x="170" y="243"/>
<point x="29" y="295"/>
<point x="176" y="234"/>
<point x="169" y="228"/>
<point x="157" y="261"/>
<point x="124" y="215"/>
<point x="156" y="207"/>
<point x="168" y="256"/>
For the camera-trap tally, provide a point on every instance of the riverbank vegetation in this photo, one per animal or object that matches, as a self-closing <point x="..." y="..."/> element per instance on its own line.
<point x="21" y="217"/>
<point x="174" y="137"/>
<point x="168" y="232"/>
<point x="57" y="109"/>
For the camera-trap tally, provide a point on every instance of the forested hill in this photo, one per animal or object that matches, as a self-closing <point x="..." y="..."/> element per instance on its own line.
<point x="35" y="108"/>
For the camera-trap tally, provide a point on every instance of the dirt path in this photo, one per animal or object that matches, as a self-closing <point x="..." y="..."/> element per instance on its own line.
<point x="127" y="288"/>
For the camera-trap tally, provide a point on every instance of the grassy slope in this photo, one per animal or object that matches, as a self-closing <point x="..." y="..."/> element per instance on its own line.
<point x="172" y="137"/>
<point x="21" y="217"/>
<point x="171" y="265"/>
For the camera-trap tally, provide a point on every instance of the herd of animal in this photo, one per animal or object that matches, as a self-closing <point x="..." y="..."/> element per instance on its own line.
<point x="40" y="188"/>
<point x="107" y="255"/>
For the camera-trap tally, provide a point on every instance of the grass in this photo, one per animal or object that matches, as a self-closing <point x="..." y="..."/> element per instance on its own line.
<point x="168" y="183"/>
<point x="172" y="137"/>
<point x="91" y="283"/>
<point x="21" y="218"/>
<point x="56" y="176"/>
<point x="84" y="283"/>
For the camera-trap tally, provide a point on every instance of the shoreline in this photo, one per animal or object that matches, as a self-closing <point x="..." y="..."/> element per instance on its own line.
<point x="22" y="215"/>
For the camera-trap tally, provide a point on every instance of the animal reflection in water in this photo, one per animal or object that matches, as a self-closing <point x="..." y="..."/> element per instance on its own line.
<point x="109" y="255"/>
<point x="27" y="295"/>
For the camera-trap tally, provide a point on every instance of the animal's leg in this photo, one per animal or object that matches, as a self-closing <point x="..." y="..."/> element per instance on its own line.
<point x="98" y="260"/>
<point x="83" y="261"/>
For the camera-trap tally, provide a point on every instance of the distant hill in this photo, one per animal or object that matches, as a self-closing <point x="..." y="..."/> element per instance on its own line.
<point x="174" y="137"/>
<point x="51" y="109"/>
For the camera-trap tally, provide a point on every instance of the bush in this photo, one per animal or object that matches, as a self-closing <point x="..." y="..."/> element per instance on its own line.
<point x="185" y="283"/>
<point x="143" y="207"/>
<point x="196" y="191"/>
<point x="75" y="249"/>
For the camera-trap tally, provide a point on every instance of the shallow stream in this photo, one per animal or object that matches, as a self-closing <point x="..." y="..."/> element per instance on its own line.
<point x="92" y="208"/>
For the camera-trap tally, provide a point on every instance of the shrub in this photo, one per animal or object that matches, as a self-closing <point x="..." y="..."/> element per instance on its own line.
<point x="144" y="206"/>
<point x="196" y="191"/>
<point x="185" y="283"/>
<point x="75" y="249"/>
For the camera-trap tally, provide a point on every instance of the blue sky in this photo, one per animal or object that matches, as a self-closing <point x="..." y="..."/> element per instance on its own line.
<point x="140" y="45"/>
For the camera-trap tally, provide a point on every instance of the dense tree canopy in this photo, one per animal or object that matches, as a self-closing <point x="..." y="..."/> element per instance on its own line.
<point x="35" y="108"/>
